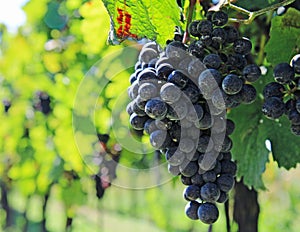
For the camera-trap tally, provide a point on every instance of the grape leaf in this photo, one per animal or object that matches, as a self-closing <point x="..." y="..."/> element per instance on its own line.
<point x="155" y="20"/>
<point x="284" y="37"/>
<point x="285" y="145"/>
<point x="249" y="148"/>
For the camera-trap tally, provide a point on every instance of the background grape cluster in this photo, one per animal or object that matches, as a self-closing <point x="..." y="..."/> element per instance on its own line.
<point x="180" y="96"/>
<point x="283" y="95"/>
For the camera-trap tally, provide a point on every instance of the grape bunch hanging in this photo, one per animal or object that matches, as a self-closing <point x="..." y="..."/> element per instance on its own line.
<point x="283" y="95"/>
<point x="180" y="97"/>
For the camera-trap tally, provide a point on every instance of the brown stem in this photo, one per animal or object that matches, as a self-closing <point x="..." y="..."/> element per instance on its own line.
<point x="227" y="216"/>
<point x="246" y="208"/>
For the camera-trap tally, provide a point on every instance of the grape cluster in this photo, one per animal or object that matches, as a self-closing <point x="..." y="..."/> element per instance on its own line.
<point x="180" y="96"/>
<point x="42" y="102"/>
<point x="107" y="159"/>
<point x="283" y="95"/>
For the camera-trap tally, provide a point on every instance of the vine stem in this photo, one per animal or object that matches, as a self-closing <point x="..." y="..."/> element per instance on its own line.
<point x="253" y="14"/>
<point x="186" y="36"/>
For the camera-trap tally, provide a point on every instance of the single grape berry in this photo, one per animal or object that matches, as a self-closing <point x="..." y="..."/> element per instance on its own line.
<point x="147" y="54"/>
<point x="210" y="192"/>
<point x="225" y="182"/>
<point x="176" y="50"/>
<point x="208" y="213"/>
<point x="283" y="73"/>
<point x="170" y="93"/>
<point x="251" y="72"/>
<point x="232" y="34"/>
<point x="156" y="108"/>
<point x="273" y="107"/>
<point x="232" y="84"/>
<point x="208" y="81"/>
<point x="189" y="169"/>
<point x="150" y="126"/>
<point x="197" y="179"/>
<point x="178" y="79"/>
<point x="247" y="94"/>
<point x="192" y="192"/>
<point x="209" y="176"/>
<point x="273" y="89"/>
<point x="191" y="210"/>
<point x="147" y="75"/>
<point x="218" y="36"/>
<point x="212" y="61"/>
<point x="228" y="166"/>
<point x="193" y="30"/>
<point x="205" y="27"/>
<point x="242" y="46"/>
<point x="219" y="18"/>
<point x="137" y="122"/>
<point x="186" y="180"/>
<point x="160" y="139"/>
<point x="223" y="197"/>
<point x="147" y="91"/>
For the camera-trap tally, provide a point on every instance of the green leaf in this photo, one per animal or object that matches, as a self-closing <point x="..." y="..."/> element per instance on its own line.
<point x="285" y="145"/>
<point x="249" y="148"/>
<point x="284" y="37"/>
<point x="155" y="19"/>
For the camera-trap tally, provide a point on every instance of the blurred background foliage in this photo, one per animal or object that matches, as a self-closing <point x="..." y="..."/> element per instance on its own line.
<point x="45" y="183"/>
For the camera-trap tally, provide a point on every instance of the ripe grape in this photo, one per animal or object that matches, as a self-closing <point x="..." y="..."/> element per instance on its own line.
<point x="208" y="213"/>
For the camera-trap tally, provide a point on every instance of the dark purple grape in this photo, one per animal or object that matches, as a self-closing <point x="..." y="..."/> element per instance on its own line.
<point x="218" y="35"/>
<point x="189" y="169"/>
<point x="193" y="28"/>
<point x="192" y="192"/>
<point x="242" y="46"/>
<point x="225" y="182"/>
<point x="212" y="61"/>
<point x="147" y="91"/>
<point x="252" y="72"/>
<point x="284" y="73"/>
<point x="232" y="84"/>
<point x="210" y="192"/>
<point x="232" y="34"/>
<point x="170" y="93"/>
<point x="223" y="197"/>
<point x="138" y="122"/>
<point x="160" y="139"/>
<point x="247" y="94"/>
<point x="208" y="213"/>
<point x="156" y="108"/>
<point x="228" y="166"/>
<point x="147" y="54"/>
<point x="273" y="107"/>
<point x="209" y="176"/>
<point x="204" y="27"/>
<point x="178" y="79"/>
<point x="186" y="180"/>
<point x="219" y="18"/>
<point x="191" y="210"/>
<point x="273" y="89"/>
